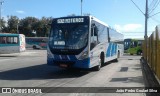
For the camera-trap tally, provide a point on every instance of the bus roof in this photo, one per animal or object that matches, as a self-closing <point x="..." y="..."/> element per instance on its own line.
<point x="91" y="17"/>
<point x="101" y="22"/>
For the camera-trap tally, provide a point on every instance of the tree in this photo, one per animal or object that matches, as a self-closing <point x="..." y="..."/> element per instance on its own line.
<point x="45" y="21"/>
<point x="3" y="25"/>
<point x="12" y="24"/>
<point x="25" y="26"/>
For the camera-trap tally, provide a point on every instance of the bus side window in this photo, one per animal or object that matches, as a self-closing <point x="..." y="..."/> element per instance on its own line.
<point x="15" y="40"/>
<point x="12" y="40"/>
<point x="94" y="36"/>
<point x="8" y="40"/>
<point x="2" y="40"/>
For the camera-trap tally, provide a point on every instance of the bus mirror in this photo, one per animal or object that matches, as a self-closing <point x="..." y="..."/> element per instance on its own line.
<point x="93" y="25"/>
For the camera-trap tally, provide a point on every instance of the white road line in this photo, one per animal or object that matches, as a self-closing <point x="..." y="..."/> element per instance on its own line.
<point x="7" y="59"/>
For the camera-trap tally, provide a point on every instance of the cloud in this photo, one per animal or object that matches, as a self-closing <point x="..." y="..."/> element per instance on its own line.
<point x="129" y="27"/>
<point x="20" y="12"/>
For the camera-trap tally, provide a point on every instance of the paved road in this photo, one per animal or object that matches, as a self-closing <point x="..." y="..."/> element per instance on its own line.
<point x="29" y="69"/>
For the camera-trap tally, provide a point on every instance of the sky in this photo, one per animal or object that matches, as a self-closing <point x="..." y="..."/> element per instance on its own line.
<point x="121" y="15"/>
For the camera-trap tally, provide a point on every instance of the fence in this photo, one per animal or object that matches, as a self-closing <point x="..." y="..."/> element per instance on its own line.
<point x="153" y="51"/>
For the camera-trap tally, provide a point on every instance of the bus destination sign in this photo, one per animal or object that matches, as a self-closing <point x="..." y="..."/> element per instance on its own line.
<point x="70" y="20"/>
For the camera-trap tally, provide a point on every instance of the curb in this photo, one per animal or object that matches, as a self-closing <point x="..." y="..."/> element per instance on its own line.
<point x="149" y="76"/>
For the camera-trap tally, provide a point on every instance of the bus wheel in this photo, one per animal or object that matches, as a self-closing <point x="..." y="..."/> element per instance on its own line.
<point x="34" y="47"/>
<point x="118" y="55"/>
<point x="101" y="62"/>
<point x="102" y="58"/>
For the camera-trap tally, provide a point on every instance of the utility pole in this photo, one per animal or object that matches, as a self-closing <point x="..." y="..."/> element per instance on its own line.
<point x="1" y="2"/>
<point x="18" y="27"/>
<point x="81" y="6"/>
<point x="146" y="24"/>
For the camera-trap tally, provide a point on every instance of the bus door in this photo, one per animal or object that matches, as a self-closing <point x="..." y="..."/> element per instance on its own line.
<point x="94" y="36"/>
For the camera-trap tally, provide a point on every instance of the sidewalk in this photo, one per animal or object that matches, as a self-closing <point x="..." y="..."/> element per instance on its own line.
<point x="149" y="77"/>
<point x="133" y="74"/>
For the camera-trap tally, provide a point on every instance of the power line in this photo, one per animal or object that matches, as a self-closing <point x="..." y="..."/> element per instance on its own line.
<point x="154" y="14"/>
<point x="152" y="4"/>
<point x="155" y="20"/>
<point x="155" y="6"/>
<point x="137" y="7"/>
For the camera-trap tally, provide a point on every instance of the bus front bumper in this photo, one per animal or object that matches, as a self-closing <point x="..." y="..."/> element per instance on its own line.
<point x="85" y="63"/>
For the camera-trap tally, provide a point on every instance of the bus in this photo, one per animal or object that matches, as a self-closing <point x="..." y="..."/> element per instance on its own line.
<point x="133" y="46"/>
<point x="11" y="43"/>
<point x="36" y="42"/>
<point x="81" y="42"/>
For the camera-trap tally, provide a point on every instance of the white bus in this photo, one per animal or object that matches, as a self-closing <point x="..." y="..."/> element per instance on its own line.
<point x="11" y="43"/>
<point x="82" y="42"/>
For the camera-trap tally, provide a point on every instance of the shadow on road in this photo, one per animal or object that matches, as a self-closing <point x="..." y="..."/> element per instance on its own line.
<point x="42" y="71"/>
<point x="138" y="79"/>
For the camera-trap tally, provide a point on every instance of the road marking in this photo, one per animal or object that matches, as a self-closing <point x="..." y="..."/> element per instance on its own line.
<point x="27" y="53"/>
<point x="7" y="59"/>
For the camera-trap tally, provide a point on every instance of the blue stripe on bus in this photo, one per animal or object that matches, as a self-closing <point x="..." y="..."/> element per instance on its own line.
<point x="4" y="45"/>
<point x="108" y="54"/>
<point x="114" y="49"/>
<point x="111" y="50"/>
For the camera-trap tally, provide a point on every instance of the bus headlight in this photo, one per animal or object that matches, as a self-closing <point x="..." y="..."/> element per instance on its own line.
<point x="84" y="55"/>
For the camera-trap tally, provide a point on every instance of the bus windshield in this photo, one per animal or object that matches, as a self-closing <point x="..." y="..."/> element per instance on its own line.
<point x="68" y="36"/>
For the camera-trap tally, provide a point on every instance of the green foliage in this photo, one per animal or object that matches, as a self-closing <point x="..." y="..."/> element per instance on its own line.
<point x="135" y="47"/>
<point x="27" y="26"/>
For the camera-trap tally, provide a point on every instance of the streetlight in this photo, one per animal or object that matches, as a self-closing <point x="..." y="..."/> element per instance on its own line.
<point x="1" y="2"/>
<point x="81" y="6"/>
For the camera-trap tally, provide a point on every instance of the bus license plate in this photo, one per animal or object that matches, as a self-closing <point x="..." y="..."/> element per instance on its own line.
<point x="63" y="65"/>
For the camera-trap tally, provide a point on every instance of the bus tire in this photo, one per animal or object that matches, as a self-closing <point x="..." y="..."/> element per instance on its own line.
<point x="102" y="58"/>
<point x="98" y="67"/>
<point x="118" y="55"/>
<point x="34" y="47"/>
